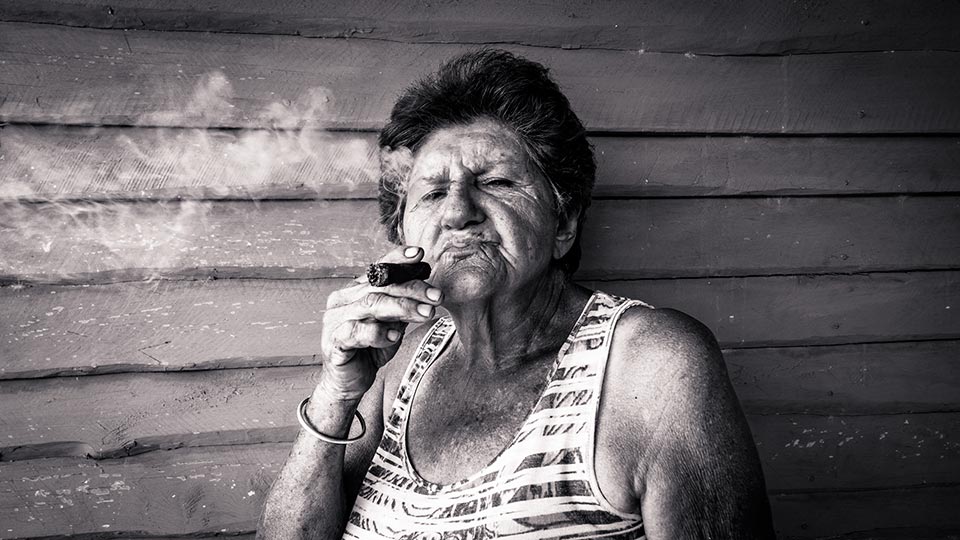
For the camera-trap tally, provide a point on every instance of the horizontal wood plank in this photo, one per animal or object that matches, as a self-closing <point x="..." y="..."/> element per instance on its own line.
<point x="857" y="452"/>
<point x="175" y="325"/>
<point x="159" y="493"/>
<point x="212" y="489"/>
<point x="896" y="514"/>
<point x="56" y="162"/>
<point x="161" y="325"/>
<point x="870" y="378"/>
<point x="229" y="407"/>
<point x="53" y="417"/>
<point x="135" y="240"/>
<point x="88" y="242"/>
<point x="749" y="312"/>
<point x="62" y="75"/>
<point x="50" y="416"/>
<point x="752" y="27"/>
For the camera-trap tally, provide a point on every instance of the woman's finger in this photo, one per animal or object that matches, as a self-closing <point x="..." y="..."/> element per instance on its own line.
<point x="416" y="289"/>
<point x="403" y="254"/>
<point x="383" y="307"/>
<point x="366" y="334"/>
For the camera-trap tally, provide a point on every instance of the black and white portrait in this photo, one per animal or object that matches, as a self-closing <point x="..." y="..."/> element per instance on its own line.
<point x="475" y="269"/>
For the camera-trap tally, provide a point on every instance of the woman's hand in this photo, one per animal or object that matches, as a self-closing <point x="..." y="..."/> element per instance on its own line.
<point x="364" y="325"/>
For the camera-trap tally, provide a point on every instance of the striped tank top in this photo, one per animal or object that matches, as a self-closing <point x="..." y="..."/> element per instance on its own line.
<point x="542" y="485"/>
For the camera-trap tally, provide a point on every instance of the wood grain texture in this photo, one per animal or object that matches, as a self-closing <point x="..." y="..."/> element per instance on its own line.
<point x="752" y="27"/>
<point x="170" y="326"/>
<point x="857" y="452"/>
<point x="64" y="75"/>
<point x="212" y="489"/>
<point x="165" y="325"/>
<point x="243" y="406"/>
<point x="135" y="240"/>
<point x="87" y="242"/>
<point x="909" y="513"/>
<point x="160" y="493"/>
<point x="57" y="162"/>
<point x="876" y="378"/>
<point x="53" y="162"/>
<point x="754" y="312"/>
<point x="66" y="417"/>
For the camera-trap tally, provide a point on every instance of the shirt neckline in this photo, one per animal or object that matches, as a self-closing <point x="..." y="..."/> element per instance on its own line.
<point x="436" y="487"/>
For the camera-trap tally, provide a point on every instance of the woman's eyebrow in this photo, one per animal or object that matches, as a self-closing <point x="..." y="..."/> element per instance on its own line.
<point x="432" y="179"/>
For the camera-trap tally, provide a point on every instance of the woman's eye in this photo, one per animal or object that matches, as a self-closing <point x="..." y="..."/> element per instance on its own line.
<point x="498" y="182"/>
<point x="432" y="195"/>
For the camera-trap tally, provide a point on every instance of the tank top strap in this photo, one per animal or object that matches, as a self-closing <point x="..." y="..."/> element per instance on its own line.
<point x="427" y="352"/>
<point x="562" y="424"/>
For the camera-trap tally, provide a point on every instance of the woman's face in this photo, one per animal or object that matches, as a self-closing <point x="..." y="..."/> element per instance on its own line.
<point x="482" y="213"/>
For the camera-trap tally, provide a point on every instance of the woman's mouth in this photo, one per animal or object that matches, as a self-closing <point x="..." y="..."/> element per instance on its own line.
<point x="459" y="250"/>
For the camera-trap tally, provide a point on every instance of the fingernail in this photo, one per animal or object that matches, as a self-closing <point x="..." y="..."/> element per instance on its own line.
<point x="425" y="309"/>
<point x="433" y="294"/>
<point x="411" y="252"/>
<point x="393" y="335"/>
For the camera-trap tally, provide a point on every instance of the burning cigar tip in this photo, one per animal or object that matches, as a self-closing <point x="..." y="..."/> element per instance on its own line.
<point x="383" y="274"/>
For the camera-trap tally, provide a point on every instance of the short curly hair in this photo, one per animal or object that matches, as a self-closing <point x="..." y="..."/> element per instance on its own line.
<point x="517" y="92"/>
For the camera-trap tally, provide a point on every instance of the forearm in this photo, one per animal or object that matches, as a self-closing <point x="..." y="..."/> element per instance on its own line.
<point x="308" y="498"/>
<point x="362" y="330"/>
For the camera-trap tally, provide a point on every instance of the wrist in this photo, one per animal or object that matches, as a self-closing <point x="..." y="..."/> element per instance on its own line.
<point x="333" y="391"/>
<point x="331" y="416"/>
<point x="308" y="426"/>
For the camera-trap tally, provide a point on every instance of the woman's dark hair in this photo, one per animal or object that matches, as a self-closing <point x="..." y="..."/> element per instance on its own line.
<point x="517" y="92"/>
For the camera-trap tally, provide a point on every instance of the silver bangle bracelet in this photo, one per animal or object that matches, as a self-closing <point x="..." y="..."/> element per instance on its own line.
<point x="302" y="417"/>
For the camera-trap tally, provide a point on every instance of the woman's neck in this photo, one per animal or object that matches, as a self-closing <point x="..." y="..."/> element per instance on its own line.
<point x="504" y="332"/>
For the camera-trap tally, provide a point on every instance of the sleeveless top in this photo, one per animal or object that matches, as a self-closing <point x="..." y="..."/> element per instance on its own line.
<point x="542" y="485"/>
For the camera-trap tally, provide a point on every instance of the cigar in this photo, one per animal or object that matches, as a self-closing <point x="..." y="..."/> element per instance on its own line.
<point x="383" y="274"/>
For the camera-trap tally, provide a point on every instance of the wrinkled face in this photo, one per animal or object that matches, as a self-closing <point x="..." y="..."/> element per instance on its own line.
<point x="483" y="214"/>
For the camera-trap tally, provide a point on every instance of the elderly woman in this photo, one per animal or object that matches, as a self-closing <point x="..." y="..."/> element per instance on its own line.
<point x="535" y="409"/>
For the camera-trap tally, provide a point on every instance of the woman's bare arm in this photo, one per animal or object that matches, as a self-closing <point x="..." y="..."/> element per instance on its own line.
<point x="362" y="331"/>
<point x="315" y="490"/>
<point x="698" y="474"/>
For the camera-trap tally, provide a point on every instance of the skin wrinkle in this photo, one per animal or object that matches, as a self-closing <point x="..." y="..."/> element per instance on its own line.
<point x="475" y="182"/>
<point x="397" y="163"/>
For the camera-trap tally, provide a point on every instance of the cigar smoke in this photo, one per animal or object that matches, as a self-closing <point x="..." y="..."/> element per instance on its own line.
<point x="111" y="194"/>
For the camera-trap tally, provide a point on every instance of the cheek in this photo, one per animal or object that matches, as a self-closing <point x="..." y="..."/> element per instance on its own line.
<point x="530" y="228"/>
<point x="415" y="228"/>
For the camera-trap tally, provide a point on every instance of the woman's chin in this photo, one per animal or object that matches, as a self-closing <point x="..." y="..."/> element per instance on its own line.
<point x="465" y="285"/>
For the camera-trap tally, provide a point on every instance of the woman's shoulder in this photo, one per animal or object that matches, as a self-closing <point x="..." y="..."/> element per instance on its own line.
<point x="662" y="331"/>
<point x="670" y="398"/>
<point x="659" y="353"/>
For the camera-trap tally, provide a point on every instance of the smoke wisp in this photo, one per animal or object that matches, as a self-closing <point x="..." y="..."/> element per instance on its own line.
<point x="141" y="195"/>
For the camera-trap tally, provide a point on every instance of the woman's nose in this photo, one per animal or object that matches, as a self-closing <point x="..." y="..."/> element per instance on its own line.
<point x="460" y="208"/>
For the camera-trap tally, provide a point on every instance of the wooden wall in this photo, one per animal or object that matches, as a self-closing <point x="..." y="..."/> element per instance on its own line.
<point x="787" y="172"/>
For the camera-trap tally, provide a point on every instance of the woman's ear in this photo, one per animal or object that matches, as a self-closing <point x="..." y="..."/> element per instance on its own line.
<point x="567" y="228"/>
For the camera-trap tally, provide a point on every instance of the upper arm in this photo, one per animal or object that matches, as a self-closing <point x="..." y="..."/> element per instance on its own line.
<point x="698" y="474"/>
